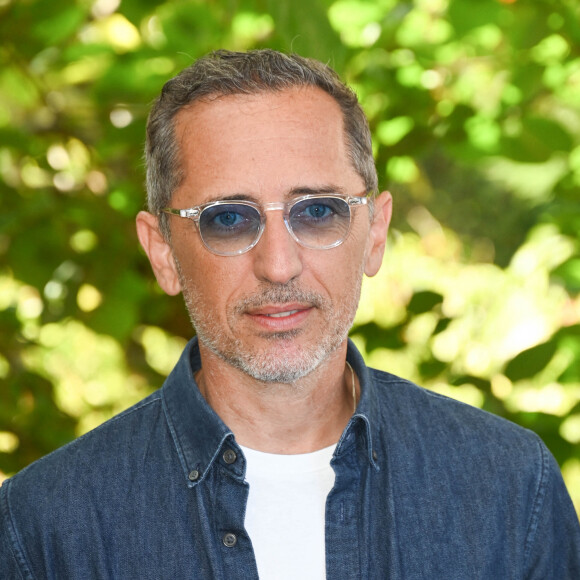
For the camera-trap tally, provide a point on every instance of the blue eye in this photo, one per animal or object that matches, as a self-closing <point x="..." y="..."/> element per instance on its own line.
<point x="317" y="210"/>
<point x="228" y="219"/>
<point x="320" y="222"/>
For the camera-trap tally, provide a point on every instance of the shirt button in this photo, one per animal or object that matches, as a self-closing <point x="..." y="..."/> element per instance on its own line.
<point x="193" y="475"/>
<point x="375" y="455"/>
<point x="229" y="540"/>
<point x="229" y="456"/>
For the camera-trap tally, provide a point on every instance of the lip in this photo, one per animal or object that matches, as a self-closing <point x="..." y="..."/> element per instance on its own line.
<point x="280" y="317"/>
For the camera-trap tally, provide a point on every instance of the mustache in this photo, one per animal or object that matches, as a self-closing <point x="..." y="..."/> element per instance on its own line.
<point x="279" y="294"/>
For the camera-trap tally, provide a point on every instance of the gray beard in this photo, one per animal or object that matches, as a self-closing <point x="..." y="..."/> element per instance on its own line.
<point x="281" y="363"/>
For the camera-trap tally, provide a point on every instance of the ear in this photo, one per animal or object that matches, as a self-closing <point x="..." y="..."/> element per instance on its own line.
<point x="159" y="253"/>
<point x="383" y="206"/>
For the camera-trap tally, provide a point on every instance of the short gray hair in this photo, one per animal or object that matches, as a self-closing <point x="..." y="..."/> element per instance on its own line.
<point x="222" y="73"/>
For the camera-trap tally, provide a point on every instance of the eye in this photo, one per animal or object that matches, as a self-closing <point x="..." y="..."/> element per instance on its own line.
<point x="228" y="219"/>
<point x="320" y="222"/>
<point x="317" y="210"/>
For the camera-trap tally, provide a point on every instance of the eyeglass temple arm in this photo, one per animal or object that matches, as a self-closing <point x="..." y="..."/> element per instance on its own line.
<point x="186" y="213"/>
<point x="355" y="200"/>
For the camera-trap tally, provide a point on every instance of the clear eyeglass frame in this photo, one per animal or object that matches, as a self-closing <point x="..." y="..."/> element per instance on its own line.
<point x="194" y="214"/>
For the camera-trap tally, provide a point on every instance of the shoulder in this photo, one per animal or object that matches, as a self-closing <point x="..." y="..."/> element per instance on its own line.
<point x="416" y="410"/>
<point x="114" y="445"/>
<point x="452" y="443"/>
<point x="468" y="465"/>
<point x="454" y="450"/>
<point x="58" y="494"/>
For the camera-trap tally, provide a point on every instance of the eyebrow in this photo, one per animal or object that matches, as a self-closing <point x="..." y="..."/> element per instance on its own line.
<point x="294" y="192"/>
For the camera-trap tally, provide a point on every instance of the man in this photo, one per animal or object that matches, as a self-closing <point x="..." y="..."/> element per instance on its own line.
<point x="271" y="449"/>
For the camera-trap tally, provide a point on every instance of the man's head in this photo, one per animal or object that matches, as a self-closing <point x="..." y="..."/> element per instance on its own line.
<point x="224" y="73"/>
<point x="281" y="308"/>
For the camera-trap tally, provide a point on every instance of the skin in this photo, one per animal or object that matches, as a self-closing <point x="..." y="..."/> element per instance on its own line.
<point x="269" y="147"/>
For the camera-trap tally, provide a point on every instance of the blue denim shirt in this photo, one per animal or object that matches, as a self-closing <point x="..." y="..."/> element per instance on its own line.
<point x="426" y="487"/>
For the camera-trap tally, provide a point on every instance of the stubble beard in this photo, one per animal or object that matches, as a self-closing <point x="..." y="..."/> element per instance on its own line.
<point x="284" y="359"/>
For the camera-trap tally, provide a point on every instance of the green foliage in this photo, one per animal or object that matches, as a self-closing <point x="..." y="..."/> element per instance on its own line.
<point x="474" y="107"/>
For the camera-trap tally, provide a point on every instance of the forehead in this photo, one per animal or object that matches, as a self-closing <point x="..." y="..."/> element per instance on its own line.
<point x="266" y="142"/>
<point x="297" y="107"/>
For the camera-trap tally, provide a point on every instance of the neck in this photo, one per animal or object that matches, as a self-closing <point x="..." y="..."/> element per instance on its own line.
<point x="301" y="417"/>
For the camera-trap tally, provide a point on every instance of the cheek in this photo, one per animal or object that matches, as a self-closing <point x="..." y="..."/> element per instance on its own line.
<point x="340" y="274"/>
<point x="214" y="281"/>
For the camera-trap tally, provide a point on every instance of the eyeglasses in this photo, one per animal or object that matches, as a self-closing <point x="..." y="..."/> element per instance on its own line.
<point x="232" y="227"/>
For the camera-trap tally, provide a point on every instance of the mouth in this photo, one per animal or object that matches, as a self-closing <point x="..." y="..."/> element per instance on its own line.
<point x="282" y="314"/>
<point x="281" y="317"/>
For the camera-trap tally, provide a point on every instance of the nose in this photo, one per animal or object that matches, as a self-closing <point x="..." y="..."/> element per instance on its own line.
<point x="277" y="256"/>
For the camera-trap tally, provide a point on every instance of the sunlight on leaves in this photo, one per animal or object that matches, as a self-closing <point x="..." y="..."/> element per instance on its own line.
<point x="8" y="442"/>
<point x="249" y="28"/>
<point x="468" y="394"/>
<point x="357" y="21"/>
<point x="83" y="241"/>
<point x="571" y="473"/>
<point x="89" y="298"/>
<point x="553" y="399"/>
<point x="402" y="169"/>
<point x="392" y="131"/>
<point x="549" y="49"/>
<point x="570" y="429"/>
<point x="114" y="30"/>
<point x="161" y="349"/>
<point x="533" y="181"/>
<point x="87" y="370"/>
<point x="423" y="27"/>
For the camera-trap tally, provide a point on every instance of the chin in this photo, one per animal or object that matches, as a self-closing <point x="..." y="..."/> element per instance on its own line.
<point x="281" y="360"/>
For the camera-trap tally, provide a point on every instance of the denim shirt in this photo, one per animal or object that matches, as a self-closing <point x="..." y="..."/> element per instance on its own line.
<point x="425" y="487"/>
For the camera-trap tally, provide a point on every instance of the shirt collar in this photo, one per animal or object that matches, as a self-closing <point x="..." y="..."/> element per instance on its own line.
<point x="197" y="430"/>
<point x="363" y="425"/>
<point x="199" y="434"/>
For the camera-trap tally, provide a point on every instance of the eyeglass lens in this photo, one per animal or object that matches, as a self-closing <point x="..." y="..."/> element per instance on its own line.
<point x="320" y="222"/>
<point x="231" y="228"/>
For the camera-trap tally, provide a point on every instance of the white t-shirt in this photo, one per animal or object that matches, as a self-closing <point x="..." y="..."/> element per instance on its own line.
<point x="285" y="516"/>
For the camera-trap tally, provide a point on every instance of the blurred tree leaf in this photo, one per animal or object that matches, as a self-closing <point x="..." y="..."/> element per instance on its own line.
<point x="531" y="361"/>
<point x="378" y="337"/>
<point x="470" y="14"/>
<point x="424" y="302"/>
<point x="569" y="273"/>
<point x="56" y="26"/>
<point x="538" y="140"/>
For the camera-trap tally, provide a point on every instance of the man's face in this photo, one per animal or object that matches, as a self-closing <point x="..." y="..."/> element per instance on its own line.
<point x="279" y="310"/>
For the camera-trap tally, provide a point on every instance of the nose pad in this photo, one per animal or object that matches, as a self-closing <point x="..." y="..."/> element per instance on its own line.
<point x="278" y="206"/>
<point x="277" y="255"/>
